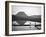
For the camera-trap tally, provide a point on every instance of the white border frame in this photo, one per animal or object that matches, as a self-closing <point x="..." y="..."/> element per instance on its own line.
<point x="30" y="31"/>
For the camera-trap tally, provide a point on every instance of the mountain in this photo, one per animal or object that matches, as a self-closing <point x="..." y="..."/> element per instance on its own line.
<point x="21" y="14"/>
<point x="18" y="17"/>
<point x="36" y="18"/>
<point x="21" y="18"/>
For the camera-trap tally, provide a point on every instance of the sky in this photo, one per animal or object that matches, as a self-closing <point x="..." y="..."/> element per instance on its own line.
<point x="29" y="10"/>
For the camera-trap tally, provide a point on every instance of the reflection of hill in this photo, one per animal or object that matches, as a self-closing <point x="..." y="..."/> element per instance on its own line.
<point x="36" y="18"/>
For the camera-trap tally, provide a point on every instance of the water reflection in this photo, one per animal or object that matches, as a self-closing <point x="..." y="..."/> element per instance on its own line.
<point x="28" y="25"/>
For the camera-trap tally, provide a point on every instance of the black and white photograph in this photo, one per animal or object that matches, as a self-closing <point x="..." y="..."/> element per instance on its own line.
<point x="25" y="17"/>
